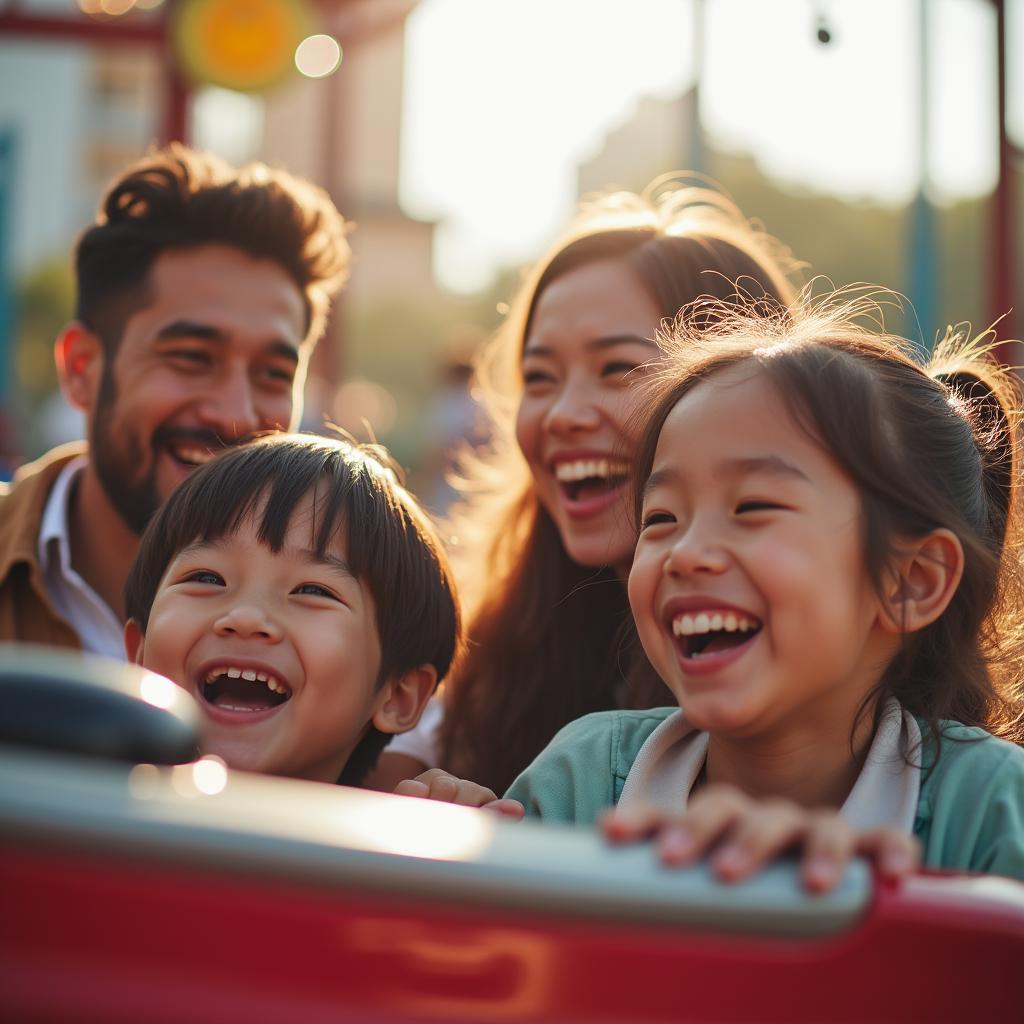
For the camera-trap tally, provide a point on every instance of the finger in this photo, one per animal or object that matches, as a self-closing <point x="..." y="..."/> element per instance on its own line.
<point x="472" y="795"/>
<point x="626" y="825"/>
<point x="511" y="809"/>
<point x="831" y="842"/>
<point x="413" y="787"/>
<point x="442" y="787"/>
<point x="758" y="833"/>
<point x="896" y="853"/>
<point x="707" y="818"/>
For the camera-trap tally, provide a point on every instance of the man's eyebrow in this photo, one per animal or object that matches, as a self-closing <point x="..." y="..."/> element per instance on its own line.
<point x="597" y="344"/>
<point x="208" y="332"/>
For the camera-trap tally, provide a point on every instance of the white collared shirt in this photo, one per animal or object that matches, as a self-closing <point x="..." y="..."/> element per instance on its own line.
<point x="885" y="794"/>
<point x="98" y="628"/>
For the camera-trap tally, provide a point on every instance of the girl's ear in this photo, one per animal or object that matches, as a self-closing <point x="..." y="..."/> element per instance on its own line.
<point x="79" y="355"/>
<point x="134" y="642"/>
<point x="404" y="699"/>
<point x="923" y="581"/>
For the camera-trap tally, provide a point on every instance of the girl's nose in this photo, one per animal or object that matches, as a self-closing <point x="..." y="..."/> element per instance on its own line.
<point x="248" y="621"/>
<point x="694" y="553"/>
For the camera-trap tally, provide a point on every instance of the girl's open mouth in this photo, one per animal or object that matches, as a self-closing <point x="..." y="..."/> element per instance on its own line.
<point x="243" y="690"/>
<point x="701" y="636"/>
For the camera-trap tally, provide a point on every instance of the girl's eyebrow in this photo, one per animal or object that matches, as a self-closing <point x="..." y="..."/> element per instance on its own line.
<point x="772" y="465"/>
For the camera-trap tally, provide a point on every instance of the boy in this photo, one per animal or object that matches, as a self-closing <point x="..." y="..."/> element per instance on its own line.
<point x="303" y="598"/>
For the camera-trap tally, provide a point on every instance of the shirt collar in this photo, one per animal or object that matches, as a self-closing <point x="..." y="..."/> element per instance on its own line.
<point x="54" y="542"/>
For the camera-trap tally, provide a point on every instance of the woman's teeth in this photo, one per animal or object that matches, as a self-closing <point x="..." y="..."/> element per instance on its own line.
<point x="712" y="622"/>
<point x="586" y="469"/>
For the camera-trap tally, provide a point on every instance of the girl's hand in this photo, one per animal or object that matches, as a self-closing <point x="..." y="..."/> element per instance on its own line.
<point x="436" y="784"/>
<point x="742" y="835"/>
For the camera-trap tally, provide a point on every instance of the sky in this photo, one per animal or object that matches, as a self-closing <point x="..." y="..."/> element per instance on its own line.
<point x="503" y="98"/>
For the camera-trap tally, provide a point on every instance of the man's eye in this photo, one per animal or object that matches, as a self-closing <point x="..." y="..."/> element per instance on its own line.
<point x="205" y="576"/>
<point x="315" y="590"/>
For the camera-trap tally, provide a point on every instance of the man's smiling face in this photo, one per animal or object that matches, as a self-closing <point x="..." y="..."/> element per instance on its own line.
<point x="213" y="358"/>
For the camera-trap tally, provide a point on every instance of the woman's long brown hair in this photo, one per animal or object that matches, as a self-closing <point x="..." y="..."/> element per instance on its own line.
<point x="551" y="640"/>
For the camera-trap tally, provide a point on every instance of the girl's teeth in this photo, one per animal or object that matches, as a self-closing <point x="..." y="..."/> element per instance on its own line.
<point x="233" y="673"/>
<point x="249" y="675"/>
<point x="713" y="622"/>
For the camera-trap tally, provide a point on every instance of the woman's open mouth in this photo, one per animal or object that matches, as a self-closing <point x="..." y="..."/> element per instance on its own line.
<point x="713" y="636"/>
<point x="587" y="485"/>
<point x="242" y="691"/>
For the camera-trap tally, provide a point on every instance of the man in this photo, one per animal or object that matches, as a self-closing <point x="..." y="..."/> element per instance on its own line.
<point x="201" y="292"/>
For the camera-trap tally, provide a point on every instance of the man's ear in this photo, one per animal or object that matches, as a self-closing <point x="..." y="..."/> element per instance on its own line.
<point x="923" y="582"/>
<point x="79" y="355"/>
<point x="405" y="697"/>
<point x="134" y="642"/>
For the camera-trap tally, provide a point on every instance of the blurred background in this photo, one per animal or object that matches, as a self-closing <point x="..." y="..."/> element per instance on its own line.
<point x="880" y="139"/>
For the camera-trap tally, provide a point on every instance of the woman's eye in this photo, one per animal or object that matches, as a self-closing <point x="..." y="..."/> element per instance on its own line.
<point x="314" y="590"/>
<point x="619" y="368"/>
<point x="205" y="576"/>
<point x="536" y="377"/>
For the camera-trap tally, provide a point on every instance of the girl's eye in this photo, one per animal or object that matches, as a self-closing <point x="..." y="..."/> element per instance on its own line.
<point x="656" y="519"/>
<point x="757" y="506"/>
<point x="314" y="590"/>
<point x="536" y="377"/>
<point x="205" y="576"/>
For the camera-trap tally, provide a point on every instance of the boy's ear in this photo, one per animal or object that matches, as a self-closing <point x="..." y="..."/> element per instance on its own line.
<point x="79" y="355"/>
<point x="405" y="697"/>
<point x="923" y="582"/>
<point x="134" y="642"/>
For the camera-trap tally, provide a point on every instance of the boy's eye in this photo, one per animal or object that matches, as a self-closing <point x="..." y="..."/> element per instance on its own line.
<point x="315" y="590"/>
<point x="205" y="576"/>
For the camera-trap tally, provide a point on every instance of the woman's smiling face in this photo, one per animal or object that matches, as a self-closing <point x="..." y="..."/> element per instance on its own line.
<point x="591" y="331"/>
<point x="748" y="585"/>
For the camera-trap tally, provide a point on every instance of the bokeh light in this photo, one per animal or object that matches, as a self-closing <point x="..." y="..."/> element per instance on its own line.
<point x="318" y="56"/>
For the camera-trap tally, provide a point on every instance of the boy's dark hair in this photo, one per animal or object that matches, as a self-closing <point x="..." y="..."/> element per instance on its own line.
<point x="177" y="198"/>
<point x="927" y="447"/>
<point x="391" y="545"/>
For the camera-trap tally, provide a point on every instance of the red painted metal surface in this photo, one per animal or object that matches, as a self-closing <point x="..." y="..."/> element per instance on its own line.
<point x="85" y="939"/>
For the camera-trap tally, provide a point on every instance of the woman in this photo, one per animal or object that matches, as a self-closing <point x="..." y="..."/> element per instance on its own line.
<point x="542" y="540"/>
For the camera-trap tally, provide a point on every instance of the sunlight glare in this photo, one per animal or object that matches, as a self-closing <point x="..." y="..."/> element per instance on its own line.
<point x="318" y="56"/>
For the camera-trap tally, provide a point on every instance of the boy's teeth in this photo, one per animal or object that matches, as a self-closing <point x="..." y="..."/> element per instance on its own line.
<point x="703" y="622"/>
<point x="584" y="469"/>
<point x="251" y="675"/>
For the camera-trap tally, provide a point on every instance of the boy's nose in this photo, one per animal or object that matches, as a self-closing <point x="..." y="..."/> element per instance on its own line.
<point x="248" y="621"/>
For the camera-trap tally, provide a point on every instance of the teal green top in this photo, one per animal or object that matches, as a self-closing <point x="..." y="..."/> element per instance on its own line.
<point x="970" y="812"/>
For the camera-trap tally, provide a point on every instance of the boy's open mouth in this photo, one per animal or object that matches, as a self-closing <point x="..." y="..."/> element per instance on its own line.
<point x="702" y="634"/>
<point x="590" y="478"/>
<point x="242" y="689"/>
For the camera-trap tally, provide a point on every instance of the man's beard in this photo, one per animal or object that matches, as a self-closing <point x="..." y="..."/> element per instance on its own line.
<point x="117" y="459"/>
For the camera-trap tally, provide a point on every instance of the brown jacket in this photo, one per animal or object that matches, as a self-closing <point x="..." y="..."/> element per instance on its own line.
<point x="26" y="614"/>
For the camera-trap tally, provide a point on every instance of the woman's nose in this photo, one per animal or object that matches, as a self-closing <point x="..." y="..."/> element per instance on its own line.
<point x="575" y="409"/>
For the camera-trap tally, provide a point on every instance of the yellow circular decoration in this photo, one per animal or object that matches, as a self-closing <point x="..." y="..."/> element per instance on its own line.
<point x="248" y="45"/>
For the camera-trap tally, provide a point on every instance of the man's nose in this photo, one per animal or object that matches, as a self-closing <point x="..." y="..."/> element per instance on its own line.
<point x="229" y="408"/>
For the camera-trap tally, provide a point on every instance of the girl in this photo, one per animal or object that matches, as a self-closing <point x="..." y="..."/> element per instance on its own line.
<point x="827" y="578"/>
<point x="545" y="537"/>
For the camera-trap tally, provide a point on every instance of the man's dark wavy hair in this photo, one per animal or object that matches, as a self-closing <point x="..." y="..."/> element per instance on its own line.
<point x="177" y="199"/>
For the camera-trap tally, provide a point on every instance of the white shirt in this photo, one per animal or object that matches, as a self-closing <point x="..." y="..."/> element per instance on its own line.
<point x="886" y="791"/>
<point x="424" y="741"/>
<point x="98" y="628"/>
